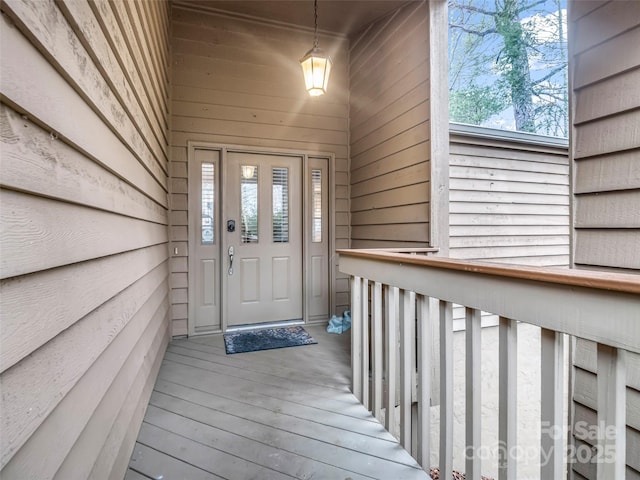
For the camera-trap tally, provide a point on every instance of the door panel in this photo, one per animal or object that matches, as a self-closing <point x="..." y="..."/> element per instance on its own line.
<point x="317" y="276"/>
<point x="264" y="200"/>
<point x="317" y="228"/>
<point x="204" y="195"/>
<point x="208" y="269"/>
<point x="280" y="278"/>
<point x="250" y="279"/>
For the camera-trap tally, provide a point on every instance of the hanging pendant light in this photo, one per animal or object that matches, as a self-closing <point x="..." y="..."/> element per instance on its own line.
<point x="316" y="65"/>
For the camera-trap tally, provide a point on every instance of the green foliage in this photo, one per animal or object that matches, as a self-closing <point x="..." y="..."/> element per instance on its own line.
<point x="475" y="105"/>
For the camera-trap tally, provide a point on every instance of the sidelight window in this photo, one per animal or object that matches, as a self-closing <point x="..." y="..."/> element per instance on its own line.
<point x="207" y="226"/>
<point x="280" y="195"/>
<point x="316" y="206"/>
<point x="249" y="203"/>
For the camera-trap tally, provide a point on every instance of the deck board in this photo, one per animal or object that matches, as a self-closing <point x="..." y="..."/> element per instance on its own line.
<point x="278" y="414"/>
<point x="276" y="373"/>
<point x="156" y="464"/>
<point x="317" y="372"/>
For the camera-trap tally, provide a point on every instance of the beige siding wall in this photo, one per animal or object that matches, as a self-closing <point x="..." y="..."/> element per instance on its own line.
<point x="239" y="82"/>
<point x="389" y="114"/>
<point x="606" y="161"/>
<point x="509" y="201"/>
<point x="606" y="132"/>
<point x="83" y="204"/>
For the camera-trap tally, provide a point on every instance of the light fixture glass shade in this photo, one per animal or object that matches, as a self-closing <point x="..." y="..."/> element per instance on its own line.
<point x="316" y="67"/>
<point x="248" y="171"/>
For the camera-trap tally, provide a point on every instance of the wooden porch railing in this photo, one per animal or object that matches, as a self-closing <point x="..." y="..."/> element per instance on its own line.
<point x="395" y="297"/>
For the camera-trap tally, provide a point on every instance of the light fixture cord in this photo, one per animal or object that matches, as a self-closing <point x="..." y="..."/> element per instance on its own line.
<point x="315" y="23"/>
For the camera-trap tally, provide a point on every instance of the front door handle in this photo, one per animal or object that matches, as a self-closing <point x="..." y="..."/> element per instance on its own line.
<point x="230" y="252"/>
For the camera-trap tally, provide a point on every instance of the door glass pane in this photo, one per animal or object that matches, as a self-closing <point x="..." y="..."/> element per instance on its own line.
<point x="249" y="203"/>
<point x="208" y="196"/>
<point x="316" y="206"/>
<point x="280" y="205"/>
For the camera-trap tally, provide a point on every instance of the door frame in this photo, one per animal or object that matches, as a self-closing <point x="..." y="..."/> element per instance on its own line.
<point x="192" y="214"/>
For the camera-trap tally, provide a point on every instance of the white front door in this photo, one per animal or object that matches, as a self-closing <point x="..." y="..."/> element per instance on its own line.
<point x="262" y="238"/>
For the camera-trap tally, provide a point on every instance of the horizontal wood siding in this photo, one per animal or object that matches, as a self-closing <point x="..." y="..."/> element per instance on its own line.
<point x="585" y="403"/>
<point x="606" y="161"/>
<point x="84" y="271"/>
<point x="238" y="82"/>
<point x="606" y="126"/>
<point x="509" y="202"/>
<point x="389" y="114"/>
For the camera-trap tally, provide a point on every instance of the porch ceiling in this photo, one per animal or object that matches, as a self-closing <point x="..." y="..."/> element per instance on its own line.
<point x="344" y="17"/>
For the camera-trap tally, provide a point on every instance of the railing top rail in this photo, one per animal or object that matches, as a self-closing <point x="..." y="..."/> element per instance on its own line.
<point x="404" y="250"/>
<point x="619" y="282"/>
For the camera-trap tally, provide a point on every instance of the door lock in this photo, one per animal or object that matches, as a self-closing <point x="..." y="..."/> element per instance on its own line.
<point x="231" y="226"/>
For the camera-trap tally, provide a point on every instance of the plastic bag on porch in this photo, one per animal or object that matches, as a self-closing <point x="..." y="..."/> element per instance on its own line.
<point x="340" y="324"/>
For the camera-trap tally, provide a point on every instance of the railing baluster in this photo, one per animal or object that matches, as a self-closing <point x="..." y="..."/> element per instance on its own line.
<point x="356" y="325"/>
<point x="575" y="303"/>
<point x="612" y="394"/>
<point x="446" y="389"/>
<point x="364" y="311"/>
<point x="407" y="320"/>
<point x="424" y="382"/>
<point x="473" y="328"/>
<point x="391" y="348"/>
<point x="551" y="375"/>
<point x="376" y="346"/>
<point x="508" y="400"/>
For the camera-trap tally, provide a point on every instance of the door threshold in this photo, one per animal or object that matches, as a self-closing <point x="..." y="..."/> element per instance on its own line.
<point x="259" y="326"/>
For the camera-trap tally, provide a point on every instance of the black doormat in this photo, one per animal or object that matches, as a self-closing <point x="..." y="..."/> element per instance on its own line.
<point x="266" y="339"/>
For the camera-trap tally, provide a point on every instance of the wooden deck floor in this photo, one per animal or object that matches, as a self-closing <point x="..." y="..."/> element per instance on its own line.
<point x="276" y="414"/>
